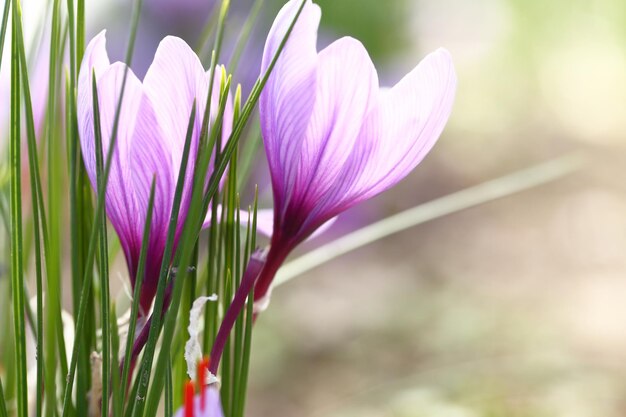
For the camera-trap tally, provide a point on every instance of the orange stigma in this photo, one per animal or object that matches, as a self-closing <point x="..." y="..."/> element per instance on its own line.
<point x="203" y="367"/>
<point x="189" y="393"/>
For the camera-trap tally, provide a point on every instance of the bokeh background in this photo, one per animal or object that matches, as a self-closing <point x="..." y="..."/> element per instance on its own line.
<point x="513" y="308"/>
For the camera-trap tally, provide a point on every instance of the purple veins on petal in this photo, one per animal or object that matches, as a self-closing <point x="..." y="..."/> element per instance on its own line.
<point x="150" y="139"/>
<point x="332" y="136"/>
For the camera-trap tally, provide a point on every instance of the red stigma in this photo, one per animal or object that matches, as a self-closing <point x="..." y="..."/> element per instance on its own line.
<point x="189" y="393"/>
<point x="203" y="367"/>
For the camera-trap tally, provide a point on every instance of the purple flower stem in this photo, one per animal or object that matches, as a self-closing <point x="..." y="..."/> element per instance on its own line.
<point x="255" y="267"/>
<point x="261" y="267"/>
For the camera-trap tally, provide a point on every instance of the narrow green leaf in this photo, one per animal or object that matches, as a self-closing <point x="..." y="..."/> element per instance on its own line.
<point x="169" y="395"/>
<point x="242" y="379"/>
<point x="35" y="189"/>
<point x="53" y="231"/>
<point x="184" y="256"/>
<point x="141" y="268"/>
<point x="80" y="30"/>
<point x="207" y="31"/>
<point x="84" y="297"/>
<point x="3" y="403"/>
<point x="246" y="112"/>
<point x="118" y="398"/>
<point x="238" y="339"/>
<point x="3" y="29"/>
<point x="244" y="35"/>
<point x="80" y="224"/>
<point x="133" y="398"/>
<point x="17" y="273"/>
<point x="180" y="364"/>
<point x="146" y="365"/>
<point x="105" y="307"/>
<point x="198" y="208"/>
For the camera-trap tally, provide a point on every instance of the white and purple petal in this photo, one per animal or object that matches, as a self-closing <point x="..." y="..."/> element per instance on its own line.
<point x="347" y="90"/>
<point x="288" y="98"/>
<point x="410" y="118"/>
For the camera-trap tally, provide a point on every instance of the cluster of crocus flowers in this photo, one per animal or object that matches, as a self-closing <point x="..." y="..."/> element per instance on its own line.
<point x="333" y="137"/>
<point x="153" y="124"/>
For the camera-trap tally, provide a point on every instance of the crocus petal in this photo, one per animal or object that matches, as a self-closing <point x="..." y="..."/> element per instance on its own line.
<point x="151" y="160"/>
<point x="120" y="202"/>
<point x="227" y="119"/>
<point x="95" y="59"/>
<point x="265" y="223"/>
<point x="175" y="78"/>
<point x="150" y="141"/>
<point x="409" y="120"/>
<point x="140" y="154"/>
<point x="347" y="89"/>
<point x="287" y="100"/>
<point x="212" y="406"/>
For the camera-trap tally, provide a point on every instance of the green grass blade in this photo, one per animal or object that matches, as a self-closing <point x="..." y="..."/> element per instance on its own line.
<point x="80" y="30"/>
<point x="72" y="31"/>
<point x="17" y="261"/>
<point x="53" y="230"/>
<point x="228" y="231"/>
<point x="133" y="394"/>
<point x="169" y="394"/>
<point x="184" y="255"/>
<point x="80" y="224"/>
<point x="180" y="364"/>
<point x="452" y="203"/>
<point x="3" y="29"/>
<point x="242" y="378"/>
<point x="84" y="297"/>
<point x="205" y="35"/>
<point x="146" y="364"/>
<point x="195" y="220"/>
<point x="244" y="35"/>
<point x="35" y="187"/>
<point x="105" y="307"/>
<point x="246" y="112"/>
<point x="217" y="47"/>
<point x="3" y="403"/>
<point x="238" y="339"/>
<point x="118" y="398"/>
<point x="210" y="316"/>
<point x="198" y="209"/>
<point x="141" y="268"/>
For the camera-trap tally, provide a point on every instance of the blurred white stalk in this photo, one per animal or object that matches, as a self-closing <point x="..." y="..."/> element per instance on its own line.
<point x="473" y="196"/>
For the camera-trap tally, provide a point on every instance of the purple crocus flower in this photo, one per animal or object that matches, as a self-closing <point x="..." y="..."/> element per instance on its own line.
<point x="333" y="138"/>
<point x="151" y="137"/>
